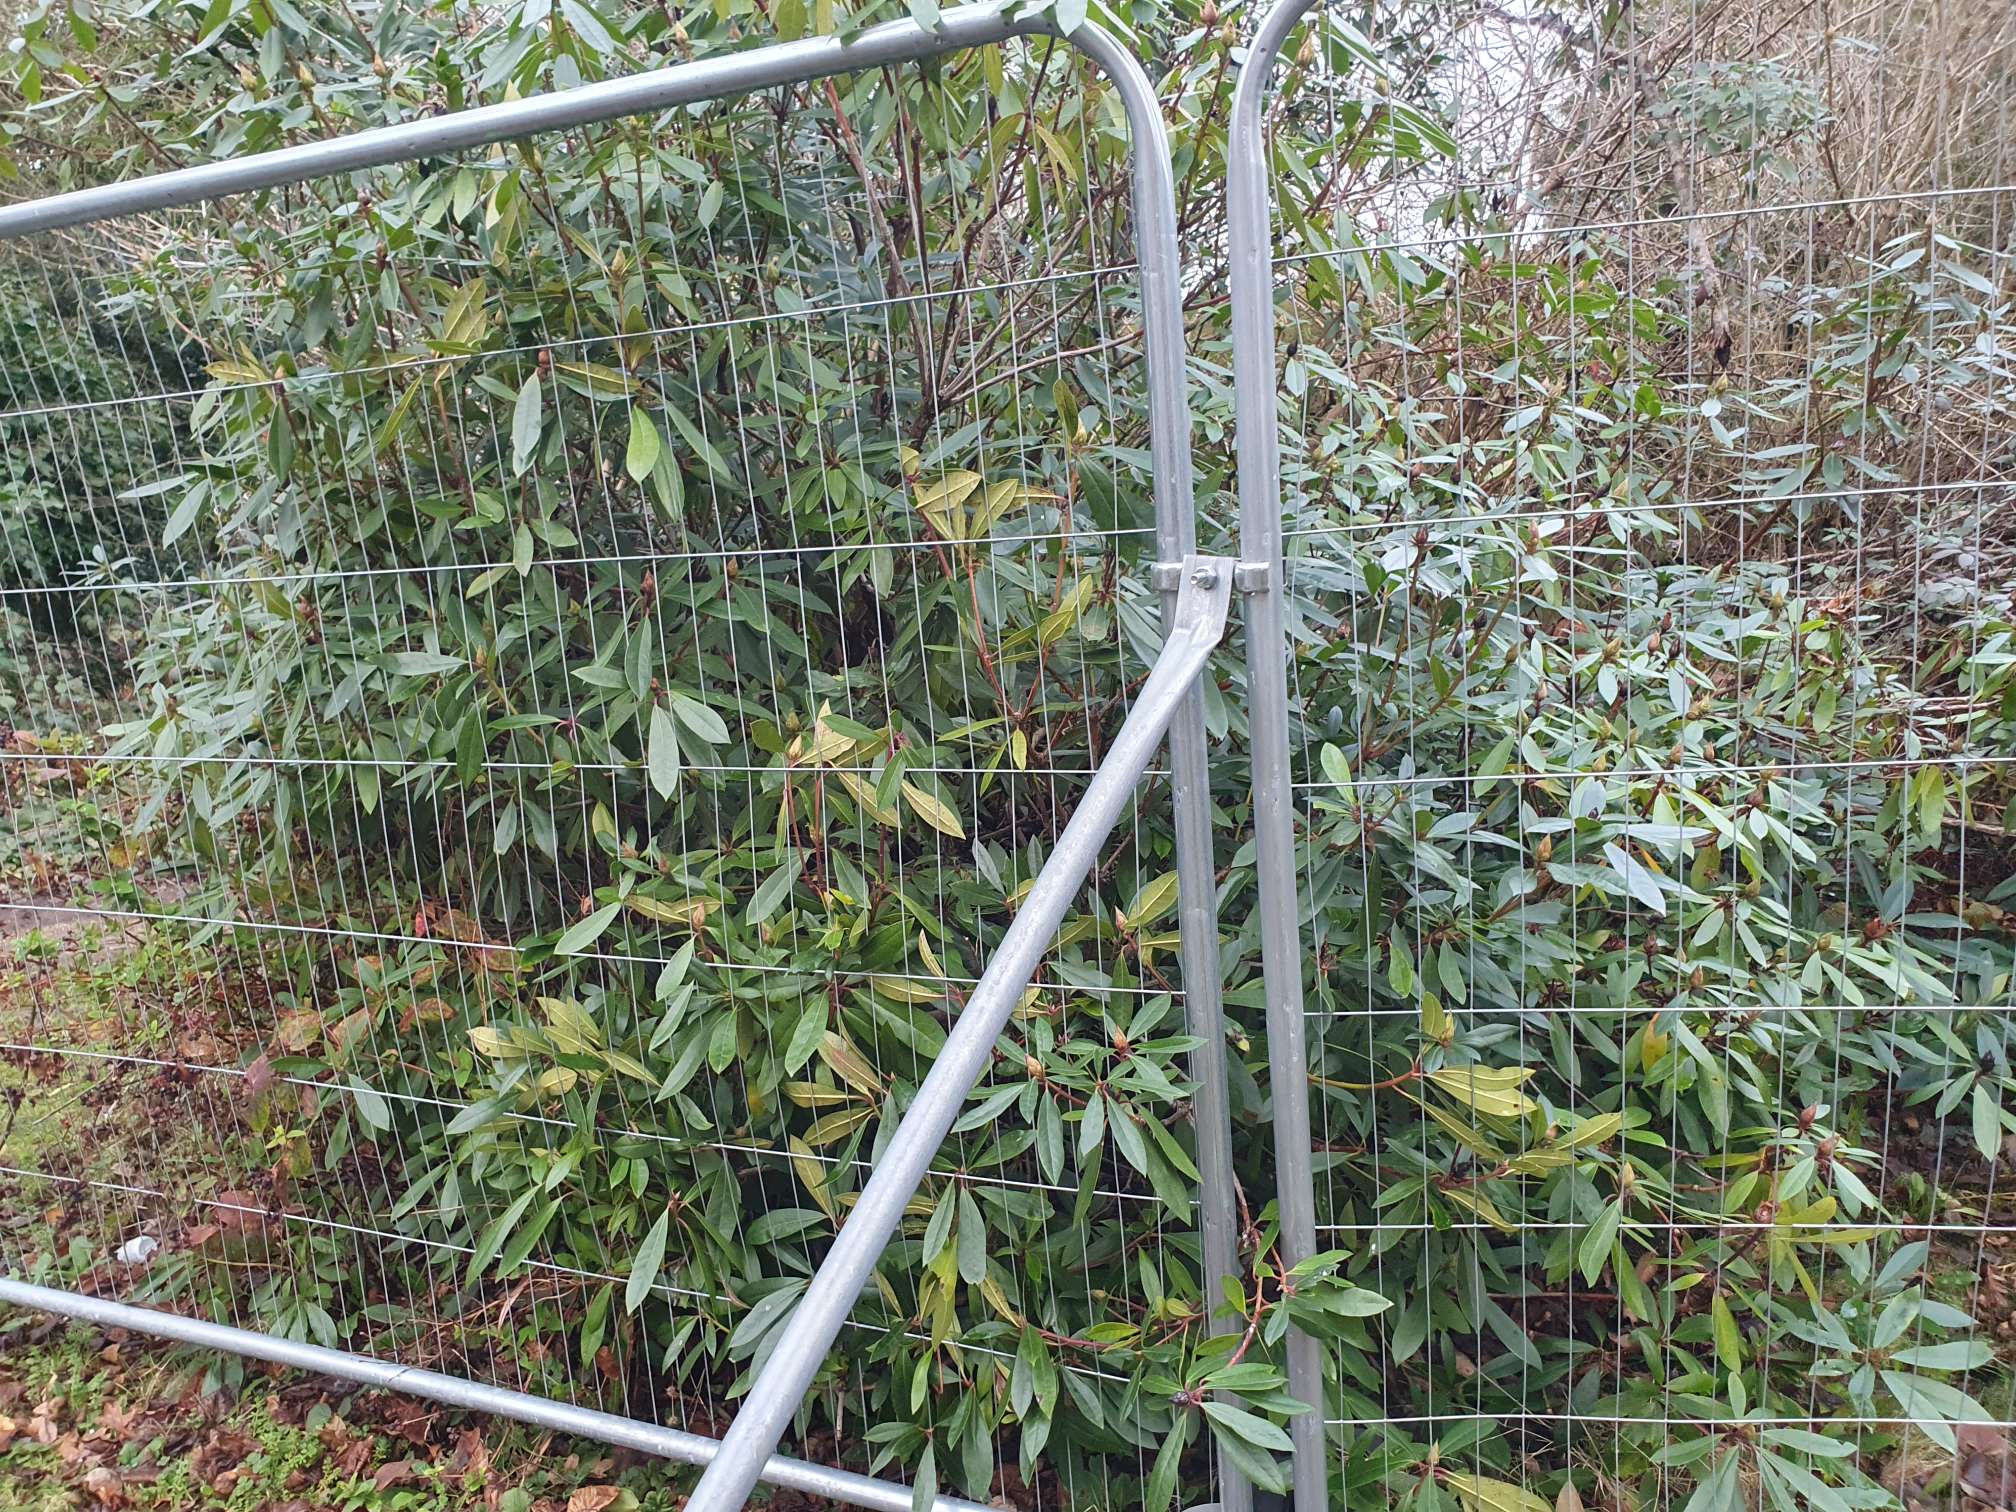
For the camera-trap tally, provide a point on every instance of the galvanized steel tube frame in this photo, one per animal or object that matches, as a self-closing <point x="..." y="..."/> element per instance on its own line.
<point x="745" y="1454"/>
<point x="455" y="1391"/>
<point x="1249" y="219"/>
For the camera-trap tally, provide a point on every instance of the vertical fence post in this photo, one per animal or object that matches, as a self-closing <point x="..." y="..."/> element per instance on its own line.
<point x="1250" y="229"/>
<point x="1160" y="261"/>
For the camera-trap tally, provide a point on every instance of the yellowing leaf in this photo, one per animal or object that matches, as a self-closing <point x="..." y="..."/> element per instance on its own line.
<point x="1154" y="900"/>
<point x="999" y="499"/>
<point x="1728" y="1337"/>
<point x="465" y="321"/>
<point x="1493" y="1091"/>
<point x="297" y="1031"/>
<point x="811" y="1175"/>
<point x="998" y="1300"/>
<point x="242" y="370"/>
<point x="573" y="1032"/>
<point x="816" y="1095"/>
<point x="933" y="812"/>
<point x="849" y="1065"/>
<point x="1594" y="1131"/>
<point x="601" y="380"/>
<point x="1482" y="1206"/>
<point x="487" y="1041"/>
<point x="641" y="455"/>
<point x="1652" y="1048"/>
<point x="627" y="1065"/>
<point x="1815" y="1216"/>
<point x="1060" y="620"/>
<point x="1840" y="1236"/>
<point x="691" y="912"/>
<point x="904" y="989"/>
<point x="1537" y="1162"/>
<point x="1470" y="1138"/>
<point x="389" y="431"/>
<point x="828" y="747"/>
<point x="1486" y="1495"/>
<point x="939" y="501"/>
<point x="863" y="793"/>
<point x="1436" y="1025"/>
<point x="835" y="1127"/>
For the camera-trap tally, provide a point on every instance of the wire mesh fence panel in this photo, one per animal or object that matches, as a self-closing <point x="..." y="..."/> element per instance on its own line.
<point x="537" y="678"/>
<point x="1645" y="404"/>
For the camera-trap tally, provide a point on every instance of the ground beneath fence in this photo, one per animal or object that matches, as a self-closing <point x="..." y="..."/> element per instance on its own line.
<point x="97" y="1420"/>
<point x="91" y="1418"/>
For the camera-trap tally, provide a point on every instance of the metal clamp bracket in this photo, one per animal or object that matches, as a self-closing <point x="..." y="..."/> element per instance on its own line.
<point x="1247" y="577"/>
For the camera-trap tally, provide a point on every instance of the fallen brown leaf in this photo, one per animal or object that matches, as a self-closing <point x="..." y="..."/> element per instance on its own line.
<point x="42" y="1426"/>
<point x="354" y="1457"/>
<point x="472" y="1455"/>
<point x="410" y="1421"/>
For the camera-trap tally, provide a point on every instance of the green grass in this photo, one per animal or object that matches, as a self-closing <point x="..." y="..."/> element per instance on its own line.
<point x="116" y="992"/>
<point x="137" y="1427"/>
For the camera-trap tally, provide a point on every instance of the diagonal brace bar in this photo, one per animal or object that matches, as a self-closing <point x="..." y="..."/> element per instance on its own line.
<point x="1195" y="629"/>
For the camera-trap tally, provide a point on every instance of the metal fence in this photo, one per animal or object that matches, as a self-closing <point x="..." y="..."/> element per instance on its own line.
<point x="1604" y="408"/>
<point x="677" y="726"/>
<point x="1626" y="713"/>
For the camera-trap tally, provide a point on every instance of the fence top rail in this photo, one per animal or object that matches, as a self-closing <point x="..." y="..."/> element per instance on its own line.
<point x="712" y="78"/>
